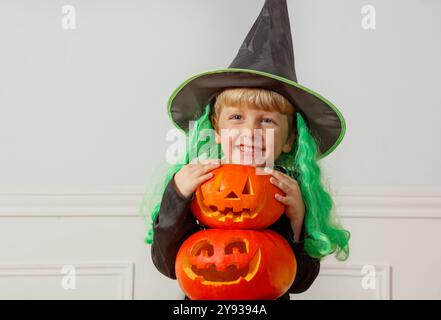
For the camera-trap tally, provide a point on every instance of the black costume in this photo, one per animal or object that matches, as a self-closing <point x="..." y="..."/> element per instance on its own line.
<point x="175" y="223"/>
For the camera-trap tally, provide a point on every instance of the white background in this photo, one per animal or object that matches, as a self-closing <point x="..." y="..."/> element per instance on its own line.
<point x="83" y="122"/>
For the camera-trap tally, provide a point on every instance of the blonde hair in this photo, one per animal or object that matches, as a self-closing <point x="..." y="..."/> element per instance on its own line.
<point x="256" y="98"/>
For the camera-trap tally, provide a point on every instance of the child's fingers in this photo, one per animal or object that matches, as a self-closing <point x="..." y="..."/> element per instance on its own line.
<point x="202" y="169"/>
<point x="283" y="177"/>
<point x="282" y="199"/>
<point x="204" y="177"/>
<point x="281" y="185"/>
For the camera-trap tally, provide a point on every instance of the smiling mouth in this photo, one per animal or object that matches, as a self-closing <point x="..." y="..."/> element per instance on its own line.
<point x="249" y="149"/>
<point x="231" y="274"/>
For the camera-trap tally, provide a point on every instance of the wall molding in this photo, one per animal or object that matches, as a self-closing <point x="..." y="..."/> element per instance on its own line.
<point x="383" y="272"/>
<point x="126" y="204"/>
<point x="123" y="270"/>
<point x="390" y="206"/>
<point x="92" y="204"/>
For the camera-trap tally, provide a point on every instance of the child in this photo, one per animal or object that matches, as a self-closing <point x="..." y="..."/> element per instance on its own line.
<point x="253" y="109"/>
<point x="258" y="91"/>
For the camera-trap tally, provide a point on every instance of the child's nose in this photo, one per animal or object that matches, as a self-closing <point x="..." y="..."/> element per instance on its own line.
<point x="250" y="126"/>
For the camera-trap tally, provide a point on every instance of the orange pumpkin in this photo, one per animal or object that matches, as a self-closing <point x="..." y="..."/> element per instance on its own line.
<point x="237" y="198"/>
<point x="216" y="264"/>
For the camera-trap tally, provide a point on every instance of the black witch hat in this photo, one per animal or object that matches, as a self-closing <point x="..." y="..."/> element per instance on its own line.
<point x="265" y="60"/>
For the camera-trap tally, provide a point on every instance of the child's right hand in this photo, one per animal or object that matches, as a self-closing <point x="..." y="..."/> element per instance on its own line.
<point x="192" y="175"/>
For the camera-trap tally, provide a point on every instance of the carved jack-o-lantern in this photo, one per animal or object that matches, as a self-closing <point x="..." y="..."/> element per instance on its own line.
<point x="237" y="198"/>
<point x="235" y="264"/>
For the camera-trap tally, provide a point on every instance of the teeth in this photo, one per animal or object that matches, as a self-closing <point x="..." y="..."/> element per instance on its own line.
<point x="247" y="149"/>
<point x="250" y="150"/>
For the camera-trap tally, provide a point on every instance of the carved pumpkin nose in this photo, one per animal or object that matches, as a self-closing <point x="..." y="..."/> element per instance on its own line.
<point x="232" y="195"/>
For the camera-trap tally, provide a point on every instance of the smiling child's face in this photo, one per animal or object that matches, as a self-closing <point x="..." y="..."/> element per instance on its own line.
<point x="241" y="143"/>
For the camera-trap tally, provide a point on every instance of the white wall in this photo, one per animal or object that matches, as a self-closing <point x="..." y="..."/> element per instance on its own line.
<point x="83" y="122"/>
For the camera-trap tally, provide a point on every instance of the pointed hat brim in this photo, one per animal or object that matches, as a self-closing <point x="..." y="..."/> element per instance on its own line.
<point x="325" y="121"/>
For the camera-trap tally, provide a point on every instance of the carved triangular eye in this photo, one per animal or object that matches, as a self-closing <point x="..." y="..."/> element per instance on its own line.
<point x="248" y="188"/>
<point x="232" y="195"/>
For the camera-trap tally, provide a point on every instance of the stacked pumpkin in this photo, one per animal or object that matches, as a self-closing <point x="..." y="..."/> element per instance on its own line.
<point x="236" y="258"/>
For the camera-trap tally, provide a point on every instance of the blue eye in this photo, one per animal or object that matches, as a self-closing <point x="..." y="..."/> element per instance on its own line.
<point x="236" y="117"/>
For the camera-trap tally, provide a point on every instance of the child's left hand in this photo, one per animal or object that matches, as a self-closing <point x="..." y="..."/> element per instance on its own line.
<point x="295" y="207"/>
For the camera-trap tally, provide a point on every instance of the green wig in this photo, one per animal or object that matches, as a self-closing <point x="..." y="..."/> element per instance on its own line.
<point x="323" y="233"/>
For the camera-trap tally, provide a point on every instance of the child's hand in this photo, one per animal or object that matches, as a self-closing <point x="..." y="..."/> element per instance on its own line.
<point x="192" y="175"/>
<point x="295" y="208"/>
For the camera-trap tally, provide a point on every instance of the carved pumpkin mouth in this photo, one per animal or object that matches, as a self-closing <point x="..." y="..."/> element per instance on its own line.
<point x="234" y="210"/>
<point x="231" y="270"/>
<point x="228" y="213"/>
